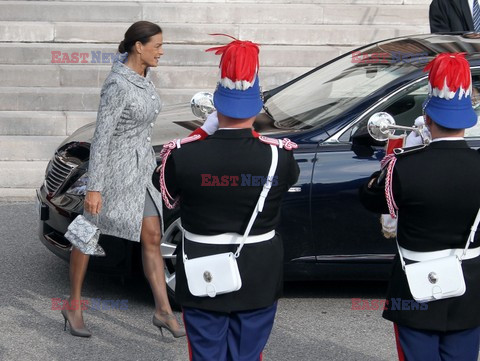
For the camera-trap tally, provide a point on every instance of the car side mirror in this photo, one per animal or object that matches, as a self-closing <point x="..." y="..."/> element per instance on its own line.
<point x="202" y="105"/>
<point x="362" y="145"/>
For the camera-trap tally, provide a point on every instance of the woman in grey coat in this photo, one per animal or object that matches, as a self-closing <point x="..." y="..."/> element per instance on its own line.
<point x="120" y="194"/>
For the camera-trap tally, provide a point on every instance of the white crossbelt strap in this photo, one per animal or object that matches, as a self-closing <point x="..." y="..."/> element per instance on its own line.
<point x="258" y="207"/>
<point x="462" y="254"/>
<point x="228" y="238"/>
<point x="427" y="256"/>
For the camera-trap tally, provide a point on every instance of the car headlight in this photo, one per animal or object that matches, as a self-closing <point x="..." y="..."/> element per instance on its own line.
<point x="79" y="188"/>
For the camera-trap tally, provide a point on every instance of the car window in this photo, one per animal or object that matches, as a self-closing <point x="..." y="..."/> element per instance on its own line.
<point x="406" y="106"/>
<point x="329" y="91"/>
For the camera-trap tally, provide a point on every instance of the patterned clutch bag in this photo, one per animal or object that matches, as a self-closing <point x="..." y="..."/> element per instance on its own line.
<point x="84" y="235"/>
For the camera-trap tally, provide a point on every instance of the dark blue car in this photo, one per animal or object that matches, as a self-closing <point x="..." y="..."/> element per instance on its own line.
<point x="326" y="232"/>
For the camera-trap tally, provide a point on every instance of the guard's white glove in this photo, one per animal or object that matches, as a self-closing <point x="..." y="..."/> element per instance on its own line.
<point x="389" y="226"/>
<point x="414" y="138"/>
<point x="211" y="124"/>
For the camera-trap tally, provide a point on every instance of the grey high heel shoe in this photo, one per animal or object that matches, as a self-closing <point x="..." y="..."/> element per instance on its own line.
<point x="163" y="324"/>
<point x="80" y="332"/>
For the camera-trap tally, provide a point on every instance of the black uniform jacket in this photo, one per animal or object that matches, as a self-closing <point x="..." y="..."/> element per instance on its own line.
<point x="450" y="16"/>
<point x="437" y="191"/>
<point x="219" y="182"/>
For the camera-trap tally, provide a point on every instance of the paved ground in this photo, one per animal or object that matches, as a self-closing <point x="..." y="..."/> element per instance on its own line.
<point x="315" y="320"/>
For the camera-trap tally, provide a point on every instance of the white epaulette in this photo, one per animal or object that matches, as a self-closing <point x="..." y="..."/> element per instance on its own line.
<point x="177" y="143"/>
<point x="284" y="143"/>
<point x="409" y="150"/>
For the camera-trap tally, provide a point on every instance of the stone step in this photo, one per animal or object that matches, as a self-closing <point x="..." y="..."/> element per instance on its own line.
<point x="207" y="13"/>
<point x="70" y="11"/>
<point x="248" y="2"/>
<point x="175" y="54"/>
<point x="376" y="15"/>
<point x="163" y="77"/>
<point x="17" y="194"/>
<point x="28" y="148"/>
<point x="271" y="34"/>
<point x="72" y="98"/>
<point x="328" y="34"/>
<point x="336" y="2"/>
<point x="43" y="123"/>
<point x="22" y="174"/>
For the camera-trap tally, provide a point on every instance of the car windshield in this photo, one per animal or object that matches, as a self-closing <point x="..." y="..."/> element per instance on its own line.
<point x="321" y="96"/>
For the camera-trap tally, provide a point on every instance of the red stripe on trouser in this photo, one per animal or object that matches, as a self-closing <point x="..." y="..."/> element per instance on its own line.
<point x="190" y="357"/>
<point x="401" y="355"/>
<point x="261" y="356"/>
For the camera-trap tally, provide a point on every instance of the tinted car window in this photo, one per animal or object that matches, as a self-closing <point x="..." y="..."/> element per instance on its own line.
<point x="329" y="91"/>
<point x="407" y="105"/>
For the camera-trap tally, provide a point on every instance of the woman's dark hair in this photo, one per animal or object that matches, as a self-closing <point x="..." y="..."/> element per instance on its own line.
<point x="140" y="31"/>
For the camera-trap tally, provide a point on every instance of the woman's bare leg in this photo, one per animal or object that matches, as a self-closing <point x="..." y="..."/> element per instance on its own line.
<point x="78" y="268"/>
<point x="153" y="268"/>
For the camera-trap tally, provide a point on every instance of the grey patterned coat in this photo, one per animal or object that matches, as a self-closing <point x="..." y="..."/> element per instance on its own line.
<point x="122" y="159"/>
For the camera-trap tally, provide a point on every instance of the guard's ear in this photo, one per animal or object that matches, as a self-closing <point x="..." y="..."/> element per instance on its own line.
<point x="428" y="121"/>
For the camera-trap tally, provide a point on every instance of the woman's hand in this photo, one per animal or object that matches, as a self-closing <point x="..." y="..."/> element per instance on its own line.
<point x="93" y="202"/>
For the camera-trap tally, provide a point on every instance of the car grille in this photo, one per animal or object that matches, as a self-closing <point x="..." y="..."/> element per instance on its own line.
<point x="58" y="173"/>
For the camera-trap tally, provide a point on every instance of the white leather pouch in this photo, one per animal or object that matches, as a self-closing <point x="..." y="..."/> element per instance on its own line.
<point x="212" y="275"/>
<point x="436" y="279"/>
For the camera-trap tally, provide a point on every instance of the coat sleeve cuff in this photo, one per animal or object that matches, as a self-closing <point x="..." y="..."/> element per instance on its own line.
<point x="94" y="186"/>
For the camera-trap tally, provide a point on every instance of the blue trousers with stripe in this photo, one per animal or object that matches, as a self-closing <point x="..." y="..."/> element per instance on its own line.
<point x="236" y="336"/>
<point x="422" y="345"/>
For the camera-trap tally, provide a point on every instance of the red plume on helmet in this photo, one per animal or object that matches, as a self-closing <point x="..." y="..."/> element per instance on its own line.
<point x="449" y="72"/>
<point x="239" y="63"/>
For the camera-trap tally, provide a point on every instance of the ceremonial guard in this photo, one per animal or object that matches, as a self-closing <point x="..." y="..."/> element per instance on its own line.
<point x="434" y="191"/>
<point x="230" y="187"/>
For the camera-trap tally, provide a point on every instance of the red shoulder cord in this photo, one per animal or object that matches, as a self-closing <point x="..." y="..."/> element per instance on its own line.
<point x="164" y="154"/>
<point x="389" y="162"/>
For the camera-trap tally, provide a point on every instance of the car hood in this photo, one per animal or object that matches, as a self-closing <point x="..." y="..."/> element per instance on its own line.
<point x="175" y="121"/>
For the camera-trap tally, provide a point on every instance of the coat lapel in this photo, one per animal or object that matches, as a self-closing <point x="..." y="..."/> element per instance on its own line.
<point x="129" y="74"/>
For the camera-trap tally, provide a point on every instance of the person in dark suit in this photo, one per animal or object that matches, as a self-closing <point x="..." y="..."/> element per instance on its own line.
<point x="451" y="16"/>
<point x="436" y="192"/>
<point x="217" y="182"/>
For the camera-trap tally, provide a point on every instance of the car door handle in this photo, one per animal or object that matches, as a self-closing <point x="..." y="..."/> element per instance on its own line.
<point x="295" y="189"/>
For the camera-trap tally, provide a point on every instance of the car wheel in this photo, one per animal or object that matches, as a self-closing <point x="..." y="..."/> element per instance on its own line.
<point x="170" y="240"/>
